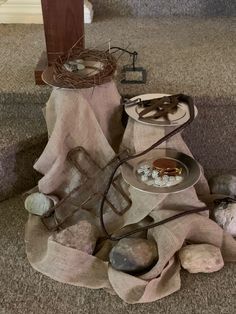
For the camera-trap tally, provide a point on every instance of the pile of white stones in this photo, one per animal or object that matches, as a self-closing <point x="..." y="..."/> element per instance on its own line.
<point x="152" y="177"/>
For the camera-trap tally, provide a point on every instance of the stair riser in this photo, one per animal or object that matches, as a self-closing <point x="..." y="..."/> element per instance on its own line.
<point x="16" y="170"/>
<point x="211" y="137"/>
<point x="165" y="8"/>
<point x="23" y="136"/>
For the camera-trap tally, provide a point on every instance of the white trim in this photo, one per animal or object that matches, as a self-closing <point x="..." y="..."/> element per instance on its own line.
<point x="30" y="12"/>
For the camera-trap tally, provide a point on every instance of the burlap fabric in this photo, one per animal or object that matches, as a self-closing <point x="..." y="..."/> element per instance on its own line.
<point x="91" y="119"/>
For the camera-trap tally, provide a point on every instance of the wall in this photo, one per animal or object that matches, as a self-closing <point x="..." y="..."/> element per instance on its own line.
<point x="21" y="11"/>
<point x="29" y="11"/>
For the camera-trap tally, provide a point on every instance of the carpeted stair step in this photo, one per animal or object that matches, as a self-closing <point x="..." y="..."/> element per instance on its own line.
<point x="159" y="8"/>
<point x="211" y="137"/>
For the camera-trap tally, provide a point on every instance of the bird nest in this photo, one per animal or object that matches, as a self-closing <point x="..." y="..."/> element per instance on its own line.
<point x="84" y="68"/>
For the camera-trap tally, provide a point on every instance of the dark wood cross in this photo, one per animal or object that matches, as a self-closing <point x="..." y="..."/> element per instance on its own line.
<point x="63" y="27"/>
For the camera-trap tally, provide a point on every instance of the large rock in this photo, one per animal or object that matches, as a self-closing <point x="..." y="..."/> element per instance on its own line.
<point x="201" y="258"/>
<point x="223" y="184"/>
<point x="225" y="216"/>
<point x="133" y="255"/>
<point x="82" y="236"/>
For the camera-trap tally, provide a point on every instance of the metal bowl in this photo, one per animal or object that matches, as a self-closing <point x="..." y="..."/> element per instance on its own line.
<point x="190" y="175"/>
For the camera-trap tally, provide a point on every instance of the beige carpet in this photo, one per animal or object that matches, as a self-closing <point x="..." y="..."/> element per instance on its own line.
<point x="22" y="290"/>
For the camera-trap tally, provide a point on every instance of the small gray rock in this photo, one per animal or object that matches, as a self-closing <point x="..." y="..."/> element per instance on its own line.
<point x="223" y="184"/>
<point x="225" y="216"/>
<point x="201" y="258"/>
<point x="39" y="203"/>
<point x="133" y="255"/>
<point x="82" y="236"/>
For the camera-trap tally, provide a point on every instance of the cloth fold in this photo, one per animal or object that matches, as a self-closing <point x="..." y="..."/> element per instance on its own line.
<point x="72" y="120"/>
<point x="83" y="118"/>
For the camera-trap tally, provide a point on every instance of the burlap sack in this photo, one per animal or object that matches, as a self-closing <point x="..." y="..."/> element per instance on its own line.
<point x="74" y="119"/>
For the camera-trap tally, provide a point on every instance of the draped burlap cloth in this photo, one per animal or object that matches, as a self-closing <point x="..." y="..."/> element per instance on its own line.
<point x="91" y="118"/>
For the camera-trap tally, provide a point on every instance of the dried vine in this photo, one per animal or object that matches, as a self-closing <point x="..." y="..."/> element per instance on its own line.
<point x="102" y="74"/>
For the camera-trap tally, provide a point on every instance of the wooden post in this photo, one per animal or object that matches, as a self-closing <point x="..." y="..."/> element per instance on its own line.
<point x="63" y="27"/>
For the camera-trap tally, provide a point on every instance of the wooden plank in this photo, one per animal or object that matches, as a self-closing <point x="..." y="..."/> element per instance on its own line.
<point x="63" y="25"/>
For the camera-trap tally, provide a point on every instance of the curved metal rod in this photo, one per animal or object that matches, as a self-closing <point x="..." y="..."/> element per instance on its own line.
<point x="181" y="98"/>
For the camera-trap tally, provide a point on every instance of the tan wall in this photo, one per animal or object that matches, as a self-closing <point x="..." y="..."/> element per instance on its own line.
<point x="20" y="11"/>
<point x="29" y="11"/>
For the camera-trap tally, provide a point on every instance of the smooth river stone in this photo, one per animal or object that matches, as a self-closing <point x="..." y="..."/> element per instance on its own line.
<point x="223" y="184"/>
<point x="201" y="258"/>
<point x="133" y="255"/>
<point x="39" y="203"/>
<point x="81" y="236"/>
<point x="225" y="216"/>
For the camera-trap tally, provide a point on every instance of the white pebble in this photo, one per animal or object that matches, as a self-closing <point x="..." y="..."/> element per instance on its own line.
<point x="150" y="182"/>
<point x="144" y="178"/>
<point x="80" y="66"/>
<point x="72" y="63"/>
<point x="148" y="172"/>
<point x="144" y="169"/>
<point x="68" y="67"/>
<point x="140" y="170"/>
<point x="165" y="178"/>
<point x="158" y="181"/>
<point x="155" y="174"/>
<point x="178" y="178"/>
<point x="79" y="61"/>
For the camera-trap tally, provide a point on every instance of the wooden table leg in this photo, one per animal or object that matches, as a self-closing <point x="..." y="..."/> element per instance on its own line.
<point x="63" y="27"/>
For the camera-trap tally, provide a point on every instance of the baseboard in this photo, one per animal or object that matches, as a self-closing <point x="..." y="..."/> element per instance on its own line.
<point x="27" y="12"/>
<point x="23" y="18"/>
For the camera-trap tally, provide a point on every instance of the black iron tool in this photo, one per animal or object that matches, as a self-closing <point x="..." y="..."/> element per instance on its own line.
<point x="130" y="73"/>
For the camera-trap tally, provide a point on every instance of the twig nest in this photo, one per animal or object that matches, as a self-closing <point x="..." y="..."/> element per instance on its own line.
<point x="81" y="236"/>
<point x="223" y="184"/>
<point x="39" y="203"/>
<point x="225" y="216"/>
<point x="201" y="258"/>
<point x="84" y="68"/>
<point x="133" y="255"/>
